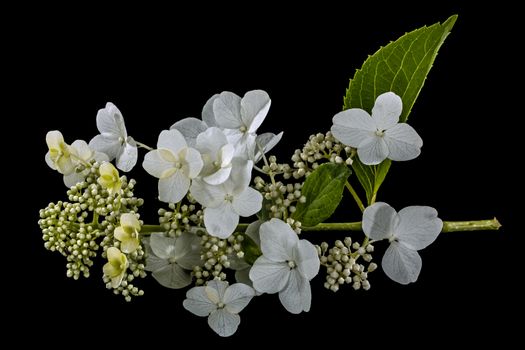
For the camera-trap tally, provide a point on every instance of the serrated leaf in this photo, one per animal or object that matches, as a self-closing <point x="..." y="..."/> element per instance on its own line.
<point x="323" y="190"/>
<point x="402" y="67"/>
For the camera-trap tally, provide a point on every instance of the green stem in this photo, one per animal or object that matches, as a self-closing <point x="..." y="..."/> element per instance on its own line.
<point x="448" y="226"/>
<point x="356" y="197"/>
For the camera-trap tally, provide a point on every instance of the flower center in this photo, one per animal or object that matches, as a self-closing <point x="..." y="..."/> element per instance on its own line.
<point x="380" y="133"/>
<point x="172" y="260"/>
<point x="121" y="140"/>
<point x="291" y="264"/>
<point x="243" y="129"/>
<point x="228" y="197"/>
<point x="178" y="165"/>
<point x="217" y="164"/>
<point x="391" y="239"/>
<point x="220" y="305"/>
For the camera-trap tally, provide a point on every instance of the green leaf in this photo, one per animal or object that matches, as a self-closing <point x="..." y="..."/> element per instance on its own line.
<point x="402" y="67"/>
<point x="323" y="190"/>
<point x="250" y="249"/>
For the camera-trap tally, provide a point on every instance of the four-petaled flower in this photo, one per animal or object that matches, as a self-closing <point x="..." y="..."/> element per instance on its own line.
<point x="286" y="266"/>
<point x="116" y="266"/>
<point x="380" y="136"/>
<point x="174" y="163"/>
<point x="224" y="203"/>
<point x="59" y="155"/>
<point x="109" y="178"/>
<point x="128" y="233"/>
<point x="221" y="303"/>
<point x="408" y="231"/>
<point x="113" y="139"/>
<point x="171" y="259"/>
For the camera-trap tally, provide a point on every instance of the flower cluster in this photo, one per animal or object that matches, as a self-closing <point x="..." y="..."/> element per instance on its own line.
<point x="204" y="169"/>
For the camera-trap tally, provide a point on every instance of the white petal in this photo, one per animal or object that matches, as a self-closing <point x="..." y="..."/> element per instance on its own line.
<point x="245" y="146"/>
<point x="188" y="251"/>
<point x="248" y="202"/>
<point x="403" y="142"/>
<point x="162" y="246"/>
<point x="54" y="138"/>
<point x="237" y="297"/>
<point x="190" y="128"/>
<point x="277" y="240"/>
<point x="207" y="112"/>
<point x="252" y="231"/>
<point x="269" y="276"/>
<point x="172" y="140"/>
<point x="74" y="178"/>
<point x="110" y="121"/>
<point x="107" y="145"/>
<point x="49" y="162"/>
<point x="197" y="302"/>
<point x="386" y="110"/>
<point x="307" y="260"/>
<point x="193" y="162"/>
<point x="100" y="157"/>
<point x="207" y="195"/>
<point x="172" y="276"/>
<point x="215" y="290"/>
<point x="296" y="297"/>
<point x="218" y="177"/>
<point x="266" y="142"/>
<point x="372" y="151"/>
<point x="211" y="141"/>
<point x="154" y="263"/>
<point x="226" y="155"/>
<point x="82" y="150"/>
<point x="156" y="164"/>
<point x="241" y="174"/>
<point x="254" y="108"/>
<point x="221" y="221"/>
<point x="223" y="322"/>
<point x="379" y="221"/>
<point x="227" y="110"/>
<point x="353" y="126"/>
<point x="172" y="189"/>
<point x="127" y="159"/>
<point x="418" y="226"/>
<point x="401" y="264"/>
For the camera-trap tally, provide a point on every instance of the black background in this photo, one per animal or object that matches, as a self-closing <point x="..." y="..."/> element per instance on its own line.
<point x="161" y="65"/>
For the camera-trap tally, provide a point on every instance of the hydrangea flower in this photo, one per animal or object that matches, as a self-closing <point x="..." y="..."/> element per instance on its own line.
<point x="286" y="266"/>
<point x="380" y="136"/>
<point x="113" y="139"/>
<point x="408" y="231"/>
<point x="83" y="154"/>
<point x="224" y="203"/>
<point x="221" y="303"/>
<point x="175" y="164"/>
<point x="217" y="155"/>
<point x="128" y="233"/>
<point x="116" y="266"/>
<point x="171" y="259"/>
<point x="109" y="178"/>
<point x="59" y="155"/>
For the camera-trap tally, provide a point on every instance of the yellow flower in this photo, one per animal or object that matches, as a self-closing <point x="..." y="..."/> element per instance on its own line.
<point x="109" y="178"/>
<point x="128" y="233"/>
<point x="59" y="155"/>
<point x="116" y="266"/>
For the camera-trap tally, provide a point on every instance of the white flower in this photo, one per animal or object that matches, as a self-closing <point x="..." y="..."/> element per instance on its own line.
<point x="286" y="266"/>
<point x="221" y="303"/>
<point x="380" y="136"/>
<point x="83" y="154"/>
<point x="224" y="203"/>
<point x="174" y="163"/>
<point x="217" y="155"/>
<point x="109" y="178"/>
<point x="171" y="259"/>
<point x="408" y="231"/>
<point x="240" y="118"/>
<point x="59" y="156"/>
<point x="116" y="266"/>
<point x="113" y="139"/>
<point x="128" y="232"/>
